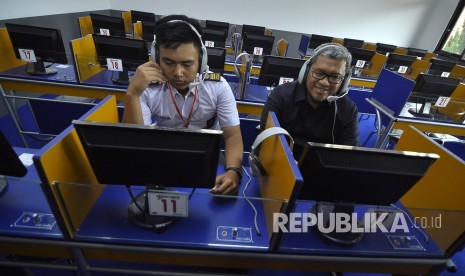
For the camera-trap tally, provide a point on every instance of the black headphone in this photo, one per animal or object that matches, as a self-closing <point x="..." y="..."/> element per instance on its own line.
<point x="256" y="168"/>
<point x="203" y="68"/>
<point x="303" y="73"/>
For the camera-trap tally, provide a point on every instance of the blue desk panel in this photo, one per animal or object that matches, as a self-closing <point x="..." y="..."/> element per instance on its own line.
<point x="24" y="195"/>
<point x="108" y="221"/>
<point x="64" y="75"/>
<point x="103" y="79"/>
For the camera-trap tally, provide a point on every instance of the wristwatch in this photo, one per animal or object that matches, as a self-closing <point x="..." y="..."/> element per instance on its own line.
<point x="237" y="170"/>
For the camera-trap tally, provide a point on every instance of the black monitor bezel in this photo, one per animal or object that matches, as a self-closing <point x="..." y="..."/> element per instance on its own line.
<point x="110" y="22"/>
<point x="10" y="164"/>
<point x="268" y="76"/>
<point x="350" y="42"/>
<point x="141" y="16"/>
<point x="144" y="170"/>
<point x="217" y="25"/>
<point x="316" y="40"/>
<point x="216" y="53"/>
<point x="425" y="86"/>
<point x="217" y="36"/>
<point x="148" y="36"/>
<point x="54" y="54"/>
<point x="252" y="29"/>
<point x="264" y="41"/>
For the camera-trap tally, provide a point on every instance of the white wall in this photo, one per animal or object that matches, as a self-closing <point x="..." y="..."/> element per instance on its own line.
<point x="407" y="23"/>
<point x="26" y="8"/>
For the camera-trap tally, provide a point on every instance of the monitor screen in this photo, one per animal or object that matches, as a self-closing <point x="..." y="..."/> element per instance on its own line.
<point x="438" y="66"/>
<point x="251" y="41"/>
<point x="356" y="43"/>
<point x="317" y="40"/>
<point x="108" y="25"/>
<point x="131" y="52"/>
<point x="361" y="54"/>
<point x="46" y="43"/>
<point x="274" y="68"/>
<point x="218" y="37"/>
<point x="155" y="157"/>
<point x="217" y="25"/>
<point x="10" y="165"/>
<point x="416" y="52"/>
<point x="137" y="16"/>
<point x="251" y="29"/>
<point x="216" y="59"/>
<point x="131" y="154"/>
<point x="339" y="177"/>
<point x="394" y="61"/>
<point x="385" y="48"/>
<point x="148" y="30"/>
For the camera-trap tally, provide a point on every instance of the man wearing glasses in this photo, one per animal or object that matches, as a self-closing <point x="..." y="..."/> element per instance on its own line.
<point x="314" y="107"/>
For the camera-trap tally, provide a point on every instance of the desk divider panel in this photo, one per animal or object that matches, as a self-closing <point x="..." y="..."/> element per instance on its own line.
<point x="439" y="191"/>
<point x="400" y="50"/>
<point x="283" y="179"/>
<point x="127" y="19"/>
<point x="369" y="46"/>
<point x="85" y="25"/>
<point x="64" y="160"/>
<point x="455" y="109"/>
<point x="85" y="57"/>
<point x="458" y="71"/>
<point x="7" y="55"/>
<point x="418" y="66"/>
<point x="377" y="63"/>
<point x="137" y="30"/>
<point x="429" y="56"/>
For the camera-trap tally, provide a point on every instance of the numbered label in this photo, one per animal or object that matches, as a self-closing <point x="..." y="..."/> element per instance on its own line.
<point x="445" y="74"/>
<point x="168" y="204"/>
<point x="402" y="69"/>
<point x="27" y="55"/>
<point x="104" y="31"/>
<point x="442" y="102"/>
<point x="209" y="43"/>
<point x="285" y="80"/>
<point x="114" y="64"/>
<point x="360" y="64"/>
<point x="258" y="51"/>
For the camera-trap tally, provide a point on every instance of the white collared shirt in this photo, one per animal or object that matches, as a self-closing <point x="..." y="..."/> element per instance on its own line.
<point x="214" y="108"/>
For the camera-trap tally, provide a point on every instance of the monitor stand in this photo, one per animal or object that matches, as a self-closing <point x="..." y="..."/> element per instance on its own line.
<point x="138" y="212"/>
<point x="423" y="112"/>
<point x="325" y="209"/>
<point x="38" y="68"/>
<point x="123" y="77"/>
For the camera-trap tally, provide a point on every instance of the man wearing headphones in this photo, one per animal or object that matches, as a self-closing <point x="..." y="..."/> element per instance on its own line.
<point x="314" y="108"/>
<point x="177" y="91"/>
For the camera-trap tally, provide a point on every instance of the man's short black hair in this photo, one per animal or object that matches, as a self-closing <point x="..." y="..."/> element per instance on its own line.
<point x="172" y="35"/>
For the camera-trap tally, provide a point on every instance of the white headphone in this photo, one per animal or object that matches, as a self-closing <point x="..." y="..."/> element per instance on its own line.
<point x="248" y="59"/>
<point x="303" y="73"/>
<point x="203" y="68"/>
<point x="256" y="168"/>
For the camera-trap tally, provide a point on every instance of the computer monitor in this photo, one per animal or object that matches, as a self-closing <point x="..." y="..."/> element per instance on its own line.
<point x="217" y="25"/>
<point x="385" y="48"/>
<point x="274" y="68"/>
<point x="355" y="43"/>
<point x="10" y="165"/>
<point x="108" y="25"/>
<point x="361" y="59"/>
<point x="129" y="154"/>
<point x="37" y="45"/>
<point x="395" y="61"/>
<point x="416" y="52"/>
<point x="216" y="59"/>
<point x="131" y="52"/>
<point x="339" y="177"/>
<point x="252" y="41"/>
<point x="148" y="30"/>
<point x="142" y="16"/>
<point x="427" y="89"/>
<point x="440" y="67"/>
<point x="317" y="40"/>
<point x="251" y="29"/>
<point x="215" y="38"/>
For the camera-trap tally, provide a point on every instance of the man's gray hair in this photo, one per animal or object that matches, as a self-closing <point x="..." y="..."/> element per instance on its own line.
<point x="334" y="51"/>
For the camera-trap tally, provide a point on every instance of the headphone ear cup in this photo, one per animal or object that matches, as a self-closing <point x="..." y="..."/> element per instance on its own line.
<point x="344" y="88"/>
<point x="256" y="168"/>
<point x="303" y="72"/>
<point x="203" y="58"/>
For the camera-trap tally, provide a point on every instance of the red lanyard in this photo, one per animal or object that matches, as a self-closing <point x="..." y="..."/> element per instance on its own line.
<point x="188" y="120"/>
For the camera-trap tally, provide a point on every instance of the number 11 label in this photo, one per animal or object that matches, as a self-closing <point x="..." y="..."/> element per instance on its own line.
<point x="168" y="204"/>
<point x="27" y="55"/>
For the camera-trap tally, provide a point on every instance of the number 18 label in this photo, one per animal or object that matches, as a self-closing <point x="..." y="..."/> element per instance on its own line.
<point x="168" y="204"/>
<point x="114" y="64"/>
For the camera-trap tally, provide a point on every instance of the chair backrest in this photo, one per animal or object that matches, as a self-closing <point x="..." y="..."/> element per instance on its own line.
<point x="268" y="32"/>
<point x="281" y="47"/>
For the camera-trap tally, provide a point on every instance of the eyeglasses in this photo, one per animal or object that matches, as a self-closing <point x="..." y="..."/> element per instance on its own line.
<point x="333" y="79"/>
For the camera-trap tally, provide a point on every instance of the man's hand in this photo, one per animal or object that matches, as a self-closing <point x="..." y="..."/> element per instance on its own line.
<point x="147" y="73"/>
<point x="226" y="184"/>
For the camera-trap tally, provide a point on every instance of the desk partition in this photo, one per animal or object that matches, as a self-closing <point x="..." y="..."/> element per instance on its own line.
<point x="439" y="193"/>
<point x="85" y="25"/>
